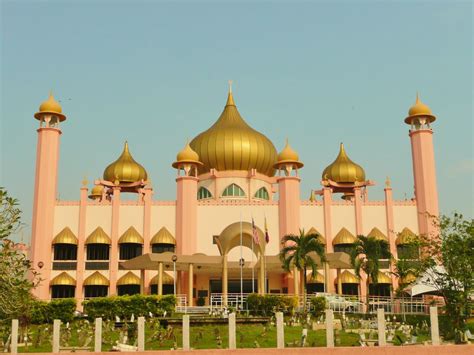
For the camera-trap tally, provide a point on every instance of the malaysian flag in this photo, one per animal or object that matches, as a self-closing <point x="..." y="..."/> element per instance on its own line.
<point x="267" y="237"/>
<point x="254" y="233"/>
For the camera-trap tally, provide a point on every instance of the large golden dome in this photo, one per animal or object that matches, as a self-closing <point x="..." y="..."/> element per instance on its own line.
<point x="231" y="144"/>
<point x="125" y="169"/>
<point x="343" y="169"/>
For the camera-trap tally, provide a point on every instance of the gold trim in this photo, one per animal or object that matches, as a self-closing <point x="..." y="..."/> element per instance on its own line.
<point x="344" y="237"/>
<point x="66" y="236"/>
<point x="167" y="279"/>
<point x="96" y="279"/>
<point x="163" y="236"/>
<point x="131" y="236"/>
<point x="98" y="236"/>
<point x="63" y="279"/>
<point x="377" y="234"/>
<point x="128" y="279"/>
<point x="406" y="236"/>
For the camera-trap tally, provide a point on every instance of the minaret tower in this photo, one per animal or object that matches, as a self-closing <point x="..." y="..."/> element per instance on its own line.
<point x="289" y="202"/>
<point x="424" y="172"/>
<point x="47" y="156"/>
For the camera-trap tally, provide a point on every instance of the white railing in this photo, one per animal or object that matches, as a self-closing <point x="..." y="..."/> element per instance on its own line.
<point x="236" y="300"/>
<point x="181" y="304"/>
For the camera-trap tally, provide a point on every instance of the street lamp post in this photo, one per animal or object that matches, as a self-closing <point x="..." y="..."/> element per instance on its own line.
<point x="174" y="258"/>
<point x="241" y="263"/>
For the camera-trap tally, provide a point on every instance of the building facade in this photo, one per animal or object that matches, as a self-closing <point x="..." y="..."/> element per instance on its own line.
<point x="232" y="188"/>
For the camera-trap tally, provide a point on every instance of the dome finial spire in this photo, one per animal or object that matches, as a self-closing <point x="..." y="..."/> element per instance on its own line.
<point x="230" y="86"/>
<point x="230" y="98"/>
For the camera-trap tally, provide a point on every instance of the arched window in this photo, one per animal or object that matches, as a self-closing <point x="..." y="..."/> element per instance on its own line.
<point x="203" y="193"/>
<point x="233" y="190"/>
<point x="262" y="193"/>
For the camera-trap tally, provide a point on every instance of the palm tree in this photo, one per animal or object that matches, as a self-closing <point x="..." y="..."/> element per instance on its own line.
<point x="366" y="255"/>
<point x="297" y="251"/>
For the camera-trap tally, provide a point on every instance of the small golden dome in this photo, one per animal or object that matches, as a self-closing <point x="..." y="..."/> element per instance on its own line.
<point x="377" y="234"/>
<point x="382" y="278"/>
<point x="63" y="279"/>
<point x="344" y="237"/>
<point x="131" y="236"/>
<point x="231" y="144"/>
<point x="128" y="279"/>
<point x="98" y="236"/>
<point x="343" y="169"/>
<point x="406" y="236"/>
<point x="167" y="279"/>
<point x="66" y="236"/>
<point x="408" y="279"/>
<point x="125" y="169"/>
<point x="96" y="192"/>
<point x="313" y="230"/>
<point x="288" y="155"/>
<point x="96" y="279"/>
<point x="187" y="155"/>
<point x="163" y="236"/>
<point x="318" y="279"/>
<point x="348" y="277"/>
<point x="50" y="106"/>
<point x="419" y="109"/>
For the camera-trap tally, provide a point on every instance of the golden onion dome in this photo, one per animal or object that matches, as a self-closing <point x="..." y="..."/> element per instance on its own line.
<point x="408" y="279"/>
<point x="419" y="109"/>
<point x="289" y="155"/>
<point x="96" y="192"/>
<point x="125" y="169"/>
<point x="66" y="236"/>
<point x="344" y="237"/>
<point x="317" y="279"/>
<point x="98" y="236"/>
<point x="231" y="144"/>
<point x="96" y="279"/>
<point x="382" y="278"/>
<point x="406" y="236"/>
<point x="167" y="280"/>
<point x="343" y="169"/>
<point x="128" y="279"/>
<point x="313" y="230"/>
<point x="63" y="279"/>
<point x="186" y="155"/>
<point x="50" y="106"/>
<point x="163" y="236"/>
<point x="131" y="236"/>
<point x="377" y="234"/>
<point x="348" y="277"/>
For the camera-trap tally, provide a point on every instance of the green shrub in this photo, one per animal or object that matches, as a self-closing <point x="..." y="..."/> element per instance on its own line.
<point x="125" y="306"/>
<point x="268" y="304"/>
<point x="46" y="312"/>
<point x="318" y="306"/>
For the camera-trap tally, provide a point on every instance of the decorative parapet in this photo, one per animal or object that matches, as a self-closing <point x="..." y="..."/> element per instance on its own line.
<point x="311" y="203"/>
<point x="230" y="202"/>
<point x="405" y="203"/>
<point x="67" y="203"/>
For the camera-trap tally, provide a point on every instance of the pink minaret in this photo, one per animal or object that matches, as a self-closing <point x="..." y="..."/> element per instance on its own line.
<point x="289" y="202"/>
<point x="424" y="172"/>
<point x="46" y="178"/>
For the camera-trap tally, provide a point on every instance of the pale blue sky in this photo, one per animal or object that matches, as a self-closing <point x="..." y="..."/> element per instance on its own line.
<point x="319" y="73"/>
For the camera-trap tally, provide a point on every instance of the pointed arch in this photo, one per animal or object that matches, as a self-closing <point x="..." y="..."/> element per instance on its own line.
<point x="233" y="190"/>
<point x="203" y="193"/>
<point x="262" y="193"/>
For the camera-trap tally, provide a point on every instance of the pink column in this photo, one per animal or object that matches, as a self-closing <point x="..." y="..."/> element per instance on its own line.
<point x="47" y="157"/>
<point x="81" y="236"/>
<point x="327" y="202"/>
<point x="390" y="229"/>
<point x="424" y="173"/>
<point x="146" y="232"/>
<point x="289" y="212"/>
<point x="114" y="235"/>
<point x="186" y="221"/>
<point x="358" y="210"/>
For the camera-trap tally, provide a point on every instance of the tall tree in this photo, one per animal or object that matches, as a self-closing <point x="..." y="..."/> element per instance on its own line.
<point x="298" y="253"/>
<point x="366" y="255"/>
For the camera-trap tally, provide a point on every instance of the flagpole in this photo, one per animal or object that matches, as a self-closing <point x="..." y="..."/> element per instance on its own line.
<point x="253" y="270"/>
<point x="241" y="266"/>
<point x="265" y="291"/>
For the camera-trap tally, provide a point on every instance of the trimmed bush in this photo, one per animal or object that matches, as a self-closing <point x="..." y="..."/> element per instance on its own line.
<point x="125" y="306"/>
<point x="267" y="305"/>
<point x="45" y="312"/>
<point x="318" y="306"/>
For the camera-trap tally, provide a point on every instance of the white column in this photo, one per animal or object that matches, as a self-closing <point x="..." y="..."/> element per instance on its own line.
<point x="186" y="332"/>
<point x="98" y="335"/>
<point x="232" y="342"/>
<point x="160" y="279"/>
<point x="141" y="333"/>
<point x="280" y="330"/>
<point x="14" y="338"/>
<point x="381" y="326"/>
<point x="56" y="330"/>
<point x="434" y="325"/>
<point x="329" y="328"/>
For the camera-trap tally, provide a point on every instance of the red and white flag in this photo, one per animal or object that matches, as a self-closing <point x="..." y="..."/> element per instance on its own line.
<point x="255" y="233"/>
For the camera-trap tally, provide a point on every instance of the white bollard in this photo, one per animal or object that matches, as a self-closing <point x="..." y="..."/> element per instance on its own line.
<point x="434" y="325"/>
<point x="56" y="330"/>
<point x="329" y="328"/>
<point x="280" y="330"/>
<point x="381" y="326"/>
<point x="186" y="332"/>
<point x="141" y="334"/>
<point x="98" y="335"/>
<point x="232" y="341"/>
<point x="14" y="337"/>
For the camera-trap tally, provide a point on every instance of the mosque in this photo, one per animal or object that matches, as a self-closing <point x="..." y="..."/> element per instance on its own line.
<point x="236" y="197"/>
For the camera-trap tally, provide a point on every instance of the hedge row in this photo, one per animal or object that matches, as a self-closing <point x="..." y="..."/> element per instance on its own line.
<point x="46" y="312"/>
<point x="269" y="304"/>
<point x="125" y="306"/>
